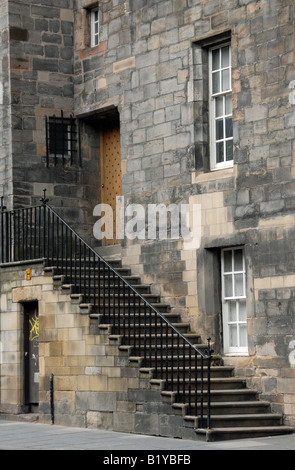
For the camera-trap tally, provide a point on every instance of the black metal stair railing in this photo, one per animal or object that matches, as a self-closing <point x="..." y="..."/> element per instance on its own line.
<point x="40" y="233"/>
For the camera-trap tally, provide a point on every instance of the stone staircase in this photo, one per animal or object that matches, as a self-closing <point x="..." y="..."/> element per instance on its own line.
<point x="236" y="411"/>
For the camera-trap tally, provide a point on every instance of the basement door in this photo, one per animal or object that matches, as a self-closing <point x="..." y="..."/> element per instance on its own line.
<point x="234" y="312"/>
<point x="31" y="352"/>
<point x="111" y="175"/>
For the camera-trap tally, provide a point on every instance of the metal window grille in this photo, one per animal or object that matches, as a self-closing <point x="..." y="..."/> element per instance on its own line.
<point x="62" y="140"/>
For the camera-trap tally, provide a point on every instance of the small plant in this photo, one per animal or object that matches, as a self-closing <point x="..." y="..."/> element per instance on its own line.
<point x="216" y="360"/>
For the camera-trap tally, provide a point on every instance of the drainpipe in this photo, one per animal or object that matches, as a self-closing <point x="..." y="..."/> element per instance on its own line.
<point x="51" y="398"/>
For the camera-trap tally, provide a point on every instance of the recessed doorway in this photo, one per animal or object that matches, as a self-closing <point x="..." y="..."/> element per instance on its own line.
<point x="31" y="354"/>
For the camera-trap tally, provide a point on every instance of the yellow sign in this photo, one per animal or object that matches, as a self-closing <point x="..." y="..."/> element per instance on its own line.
<point x="28" y="274"/>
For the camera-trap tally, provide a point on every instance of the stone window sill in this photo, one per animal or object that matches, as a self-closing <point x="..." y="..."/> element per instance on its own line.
<point x="201" y="177"/>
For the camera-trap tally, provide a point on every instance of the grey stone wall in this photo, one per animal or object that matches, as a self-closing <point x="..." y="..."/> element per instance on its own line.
<point x="40" y="83"/>
<point x="151" y="67"/>
<point x="5" y="116"/>
<point x="95" y="384"/>
<point x="152" y="64"/>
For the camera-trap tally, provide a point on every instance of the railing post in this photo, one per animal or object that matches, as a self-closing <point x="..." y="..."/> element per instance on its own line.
<point x="111" y="296"/>
<point x="44" y="201"/>
<point x="2" y="209"/>
<point x="51" y="391"/>
<point x="209" y="352"/>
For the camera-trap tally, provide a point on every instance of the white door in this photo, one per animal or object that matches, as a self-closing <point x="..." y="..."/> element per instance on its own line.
<point x="235" y="335"/>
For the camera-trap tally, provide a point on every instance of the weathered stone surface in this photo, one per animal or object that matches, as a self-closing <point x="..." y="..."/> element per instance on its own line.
<point x="151" y="67"/>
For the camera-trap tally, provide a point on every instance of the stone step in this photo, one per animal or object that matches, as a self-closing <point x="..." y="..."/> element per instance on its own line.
<point x="241" y="420"/>
<point x="233" y="407"/>
<point x="220" y="396"/>
<point x="246" y="432"/>
<point x="161" y="307"/>
<point x="152" y="328"/>
<point x="170" y="360"/>
<point x="85" y="260"/>
<point x="236" y="410"/>
<point x="108" y="295"/>
<point x="172" y="317"/>
<point x="165" y="352"/>
<point x="111" y="311"/>
<point x="142" y="289"/>
<point x="124" y="300"/>
<point x="222" y="372"/>
<point x="164" y="342"/>
<point x="77" y="269"/>
<point x="216" y="383"/>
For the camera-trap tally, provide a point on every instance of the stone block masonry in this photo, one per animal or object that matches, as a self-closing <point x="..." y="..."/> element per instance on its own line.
<point x="94" y="384"/>
<point x="39" y="82"/>
<point x="5" y="113"/>
<point x="151" y="69"/>
<point x="155" y="70"/>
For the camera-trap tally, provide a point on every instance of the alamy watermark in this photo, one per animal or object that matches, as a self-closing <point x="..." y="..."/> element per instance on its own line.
<point x="151" y="222"/>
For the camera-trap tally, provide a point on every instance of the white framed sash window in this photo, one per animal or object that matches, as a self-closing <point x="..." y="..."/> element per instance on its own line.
<point x="220" y="107"/>
<point x="234" y="311"/>
<point x="94" y="27"/>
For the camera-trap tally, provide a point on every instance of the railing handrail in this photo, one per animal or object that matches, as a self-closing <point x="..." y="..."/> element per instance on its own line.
<point x="206" y="355"/>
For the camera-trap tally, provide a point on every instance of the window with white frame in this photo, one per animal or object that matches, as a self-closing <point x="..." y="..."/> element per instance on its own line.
<point x="94" y="27"/>
<point x="220" y="107"/>
<point x="235" y="335"/>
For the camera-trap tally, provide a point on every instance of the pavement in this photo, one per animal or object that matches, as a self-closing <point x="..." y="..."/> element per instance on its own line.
<point x="36" y="436"/>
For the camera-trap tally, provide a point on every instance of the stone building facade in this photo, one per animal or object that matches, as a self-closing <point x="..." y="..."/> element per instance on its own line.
<point x="200" y="96"/>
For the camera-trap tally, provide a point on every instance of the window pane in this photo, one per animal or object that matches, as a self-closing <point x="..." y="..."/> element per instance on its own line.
<point x="229" y="151"/>
<point x="215" y="59"/>
<point x="228" y="105"/>
<point x="219" y="106"/>
<point x="233" y="336"/>
<point x="58" y="138"/>
<point x="238" y="255"/>
<point x="232" y="312"/>
<point x="219" y="129"/>
<point x="228" y="286"/>
<point x="225" y="80"/>
<point x="239" y="285"/>
<point x="229" y="127"/>
<point x="216" y="82"/>
<point x="243" y="336"/>
<point x="219" y="152"/>
<point x="225" y="57"/>
<point x="227" y="256"/>
<point x="242" y="311"/>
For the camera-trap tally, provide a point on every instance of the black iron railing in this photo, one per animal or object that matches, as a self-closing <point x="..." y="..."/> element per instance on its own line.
<point x="40" y="233"/>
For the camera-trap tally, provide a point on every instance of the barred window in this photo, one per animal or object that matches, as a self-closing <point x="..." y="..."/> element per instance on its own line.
<point x="62" y="140"/>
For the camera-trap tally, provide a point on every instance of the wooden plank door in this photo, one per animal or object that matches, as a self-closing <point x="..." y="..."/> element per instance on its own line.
<point x="111" y="176"/>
